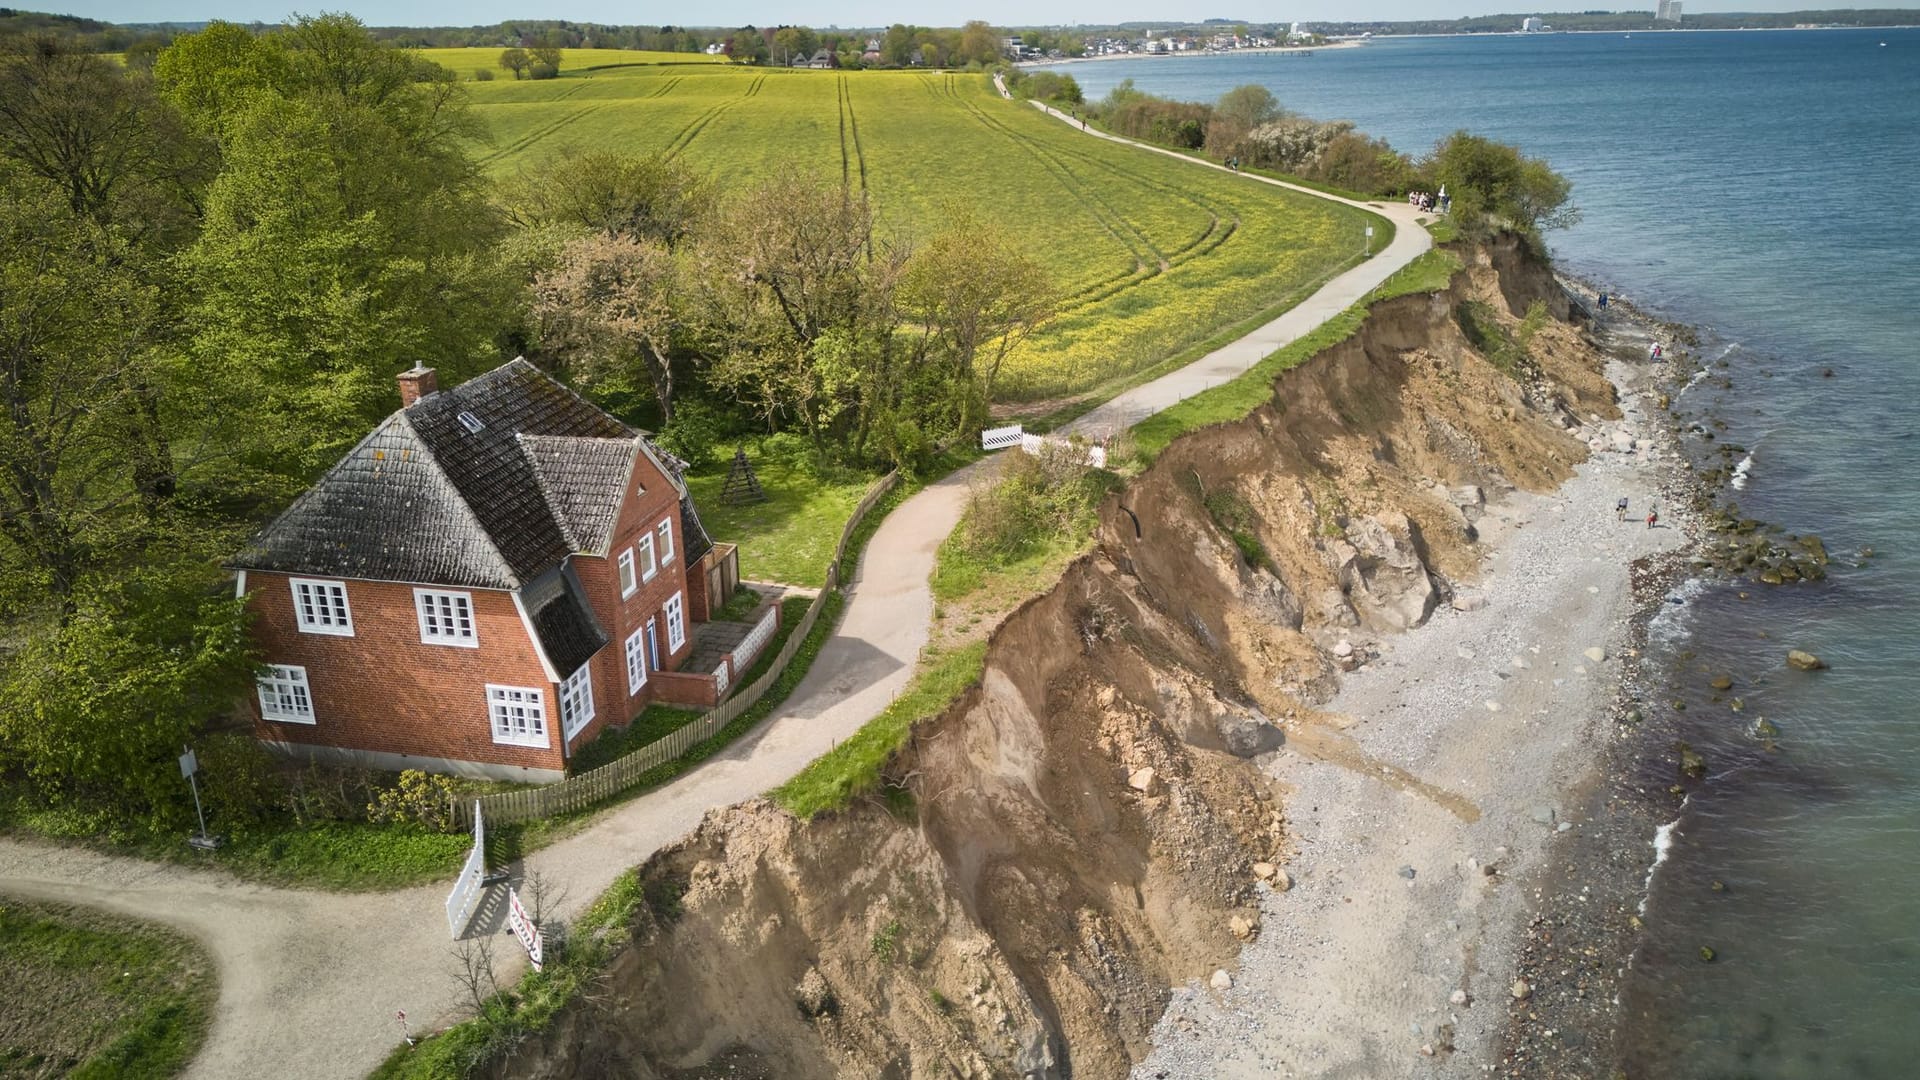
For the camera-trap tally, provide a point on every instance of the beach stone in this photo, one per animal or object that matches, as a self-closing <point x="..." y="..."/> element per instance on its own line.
<point x="1804" y="661"/>
<point x="1459" y="997"/>
<point x="1467" y="495"/>
<point x="1543" y="815"/>
<point x="1282" y="881"/>
<point x="1221" y="981"/>
<point x="1142" y="780"/>
<point x="1563" y="826"/>
<point x="1724" y="682"/>
<point x="1343" y="649"/>
<point x="1595" y="654"/>
<point x="1493" y="706"/>
<point x="1522" y="990"/>
<point x="1243" y="928"/>
<point x="1264" y="870"/>
<point x="1469" y="602"/>
<point x="1407" y="872"/>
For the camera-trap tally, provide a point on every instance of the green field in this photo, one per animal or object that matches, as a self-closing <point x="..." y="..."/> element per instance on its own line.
<point x="1153" y="254"/>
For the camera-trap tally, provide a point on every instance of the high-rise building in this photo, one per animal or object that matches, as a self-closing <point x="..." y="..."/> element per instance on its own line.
<point x="1530" y="25"/>
<point x="1667" y="11"/>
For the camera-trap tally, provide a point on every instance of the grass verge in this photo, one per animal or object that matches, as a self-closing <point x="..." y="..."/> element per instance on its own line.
<point x="853" y="767"/>
<point x="93" y="997"/>
<point x="789" y="538"/>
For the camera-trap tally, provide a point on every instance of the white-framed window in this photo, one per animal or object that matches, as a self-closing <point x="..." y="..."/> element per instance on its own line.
<point x="636" y="662"/>
<point x="648" y="567"/>
<point x="576" y="701"/>
<point x="665" y="532"/>
<point x="285" y="695"/>
<point x="628" y="583"/>
<point x="446" y="618"/>
<point x="676" y="609"/>
<point x="519" y="715"/>
<point x="320" y="607"/>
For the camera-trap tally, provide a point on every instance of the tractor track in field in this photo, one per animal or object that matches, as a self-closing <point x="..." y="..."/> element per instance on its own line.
<point x="850" y="123"/>
<point x="1146" y="256"/>
<point x="699" y="123"/>
<point x="537" y="134"/>
<point x="666" y="87"/>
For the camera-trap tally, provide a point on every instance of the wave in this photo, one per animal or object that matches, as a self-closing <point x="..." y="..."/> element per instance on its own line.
<point x="1670" y="623"/>
<point x="1739" y="478"/>
<point x="1662" y="845"/>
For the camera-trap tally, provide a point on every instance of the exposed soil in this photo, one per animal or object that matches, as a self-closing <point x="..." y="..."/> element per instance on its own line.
<point x="1084" y="831"/>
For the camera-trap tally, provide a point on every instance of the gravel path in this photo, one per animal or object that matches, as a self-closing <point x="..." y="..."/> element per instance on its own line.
<point x="1496" y="714"/>
<point x="311" y="981"/>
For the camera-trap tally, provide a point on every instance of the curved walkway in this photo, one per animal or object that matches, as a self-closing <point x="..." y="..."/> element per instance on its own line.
<point x="310" y="981"/>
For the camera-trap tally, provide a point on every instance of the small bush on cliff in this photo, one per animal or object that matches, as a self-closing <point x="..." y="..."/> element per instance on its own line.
<point x="1494" y="186"/>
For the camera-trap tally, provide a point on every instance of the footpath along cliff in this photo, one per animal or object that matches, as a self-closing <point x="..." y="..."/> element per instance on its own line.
<point x="1085" y="829"/>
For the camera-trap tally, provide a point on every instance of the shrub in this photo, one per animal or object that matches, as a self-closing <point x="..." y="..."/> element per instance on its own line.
<point x="543" y="71"/>
<point x="1036" y="498"/>
<point x="419" y="798"/>
<point x="483" y="75"/>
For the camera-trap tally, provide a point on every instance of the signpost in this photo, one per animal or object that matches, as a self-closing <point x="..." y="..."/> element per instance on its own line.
<point x="189" y="765"/>
<point x="524" y="928"/>
<point x="1368" y="251"/>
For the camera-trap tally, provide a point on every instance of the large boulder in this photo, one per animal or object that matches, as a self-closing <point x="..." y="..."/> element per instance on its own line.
<point x="1804" y="661"/>
<point x="1248" y="734"/>
<point x="1382" y="574"/>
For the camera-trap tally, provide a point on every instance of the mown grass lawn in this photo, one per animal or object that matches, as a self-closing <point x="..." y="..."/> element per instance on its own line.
<point x="790" y="537"/>
<point x="93" y="997"/>
<point x="1151" y="254"/>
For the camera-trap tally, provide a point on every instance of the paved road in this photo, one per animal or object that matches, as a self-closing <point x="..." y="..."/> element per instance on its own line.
<point x="310" y="981"/>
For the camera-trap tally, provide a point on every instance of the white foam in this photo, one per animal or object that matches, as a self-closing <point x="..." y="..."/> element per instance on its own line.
<point x="1695" y="381"/>
<point x="1669" y="624"/>
<point x="1662" y="844"/>
<point x="1740" y="471"/>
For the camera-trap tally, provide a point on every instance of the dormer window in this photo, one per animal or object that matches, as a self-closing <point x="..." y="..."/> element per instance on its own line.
<point x="469" y="421"/>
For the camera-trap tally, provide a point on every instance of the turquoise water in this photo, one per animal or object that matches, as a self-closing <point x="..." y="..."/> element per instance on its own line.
<point x="1761" y="184"/>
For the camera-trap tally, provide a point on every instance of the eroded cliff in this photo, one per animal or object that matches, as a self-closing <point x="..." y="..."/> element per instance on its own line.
<point x="1083" y="829"/>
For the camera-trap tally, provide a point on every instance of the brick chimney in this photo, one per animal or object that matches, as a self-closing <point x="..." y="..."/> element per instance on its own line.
<point x="416" y="384"/>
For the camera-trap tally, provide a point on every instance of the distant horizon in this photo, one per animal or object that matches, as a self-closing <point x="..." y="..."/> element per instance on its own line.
<point x="855" y="14"/>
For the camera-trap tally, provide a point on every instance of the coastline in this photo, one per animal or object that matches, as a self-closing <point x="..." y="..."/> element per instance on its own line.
<point x="1201" y="54"/>
<point x="1430" y="867"/>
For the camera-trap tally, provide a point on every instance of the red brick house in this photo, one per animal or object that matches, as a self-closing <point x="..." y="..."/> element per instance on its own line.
<point x="492" y="576"/>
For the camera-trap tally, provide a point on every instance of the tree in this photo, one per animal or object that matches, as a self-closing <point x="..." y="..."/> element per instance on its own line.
<point x="346" y="238"/>
<point x="76" y="332"/>
<point x="516" y="61"/>
<point x="609" y="305"/>
<point x="979" y="44"/>
<point x="95" y="711"/>
<point x="973" y="295"/>
<point x="1238" y="113"/>
<point x="1493" y="186"/>
<point x="104" y="136"/>
<point x="547" y="52"/>
<point x="645" y="198"/>
<point x="209" y="76"/>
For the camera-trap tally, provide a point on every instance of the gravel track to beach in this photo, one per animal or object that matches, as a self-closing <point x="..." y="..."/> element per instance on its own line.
<point x="1489" y="722"/>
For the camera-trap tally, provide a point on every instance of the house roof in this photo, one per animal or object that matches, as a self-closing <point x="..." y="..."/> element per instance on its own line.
<point x="488" y="485"/>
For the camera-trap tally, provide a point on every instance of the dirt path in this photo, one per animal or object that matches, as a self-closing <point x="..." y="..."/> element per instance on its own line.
<point x="310" y="981"/>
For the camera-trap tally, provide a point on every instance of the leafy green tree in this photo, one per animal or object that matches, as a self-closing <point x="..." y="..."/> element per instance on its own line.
<point x="346" y="238"/>
<point x="95" y="711"/>
<point x="1494" y="186"/>
<point x="209" y="76"/>
<point x="609" y="305"/>
<point x="979" y="44"/>
<point x="646" y="198"/>
<point x="119" y="152"/>
<point x="973" y="294"/>
<point x="517" y="61"/>
<point x="77" y="331"/>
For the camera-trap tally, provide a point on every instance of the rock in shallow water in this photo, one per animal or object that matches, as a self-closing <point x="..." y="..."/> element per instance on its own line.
<point x="1804" y="661"/>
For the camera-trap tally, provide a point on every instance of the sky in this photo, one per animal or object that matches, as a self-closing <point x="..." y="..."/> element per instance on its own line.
<point x="850" y="13"/>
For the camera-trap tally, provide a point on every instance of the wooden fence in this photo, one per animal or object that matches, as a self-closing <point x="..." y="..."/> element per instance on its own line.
<point x="590" y="788"/>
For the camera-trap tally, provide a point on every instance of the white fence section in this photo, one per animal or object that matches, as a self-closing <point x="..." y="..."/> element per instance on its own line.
<point x="722" y="678"/>
<point x="466" y="888"/>
<point x="1033" y="444"/>
<point x="1001" y="437"/>
<point x="745" y="653"/>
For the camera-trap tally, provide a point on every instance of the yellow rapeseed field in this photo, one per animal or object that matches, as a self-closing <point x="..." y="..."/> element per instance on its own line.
<point x="1153" y="254"/>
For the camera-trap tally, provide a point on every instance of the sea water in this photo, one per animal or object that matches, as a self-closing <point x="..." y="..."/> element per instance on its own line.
<point x="1762" y="184"/>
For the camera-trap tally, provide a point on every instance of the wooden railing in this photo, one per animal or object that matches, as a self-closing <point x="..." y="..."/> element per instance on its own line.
<point x="588" y="789"/>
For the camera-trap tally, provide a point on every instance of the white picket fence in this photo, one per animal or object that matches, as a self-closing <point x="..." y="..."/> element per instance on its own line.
<point x="1001" y="437"/>
<point x="466" y="888"/>
<point x="1034" y="444"/>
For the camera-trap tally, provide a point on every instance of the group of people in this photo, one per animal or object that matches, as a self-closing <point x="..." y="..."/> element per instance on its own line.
<point x="1428" y="201"/>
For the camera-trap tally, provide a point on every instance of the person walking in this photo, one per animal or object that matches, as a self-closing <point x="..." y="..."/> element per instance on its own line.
<point x="1603" y="301"/>
<point x="1653" y="518"/>
<point x="1620" y="509"/>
